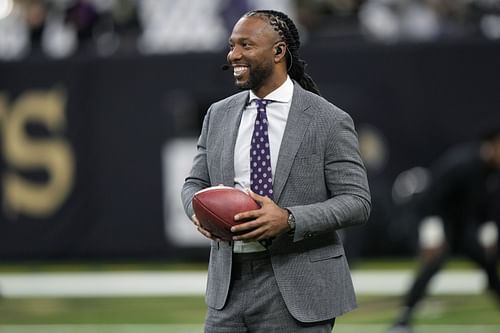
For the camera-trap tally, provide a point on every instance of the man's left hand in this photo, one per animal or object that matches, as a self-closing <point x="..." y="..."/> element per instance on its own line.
<point x="267" y="222"/>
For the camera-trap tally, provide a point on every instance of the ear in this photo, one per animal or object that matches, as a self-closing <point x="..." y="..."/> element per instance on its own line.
<point x="279" y="52"/>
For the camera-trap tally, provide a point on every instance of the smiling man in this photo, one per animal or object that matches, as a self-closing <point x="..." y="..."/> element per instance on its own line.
<point x="297" y="155"/>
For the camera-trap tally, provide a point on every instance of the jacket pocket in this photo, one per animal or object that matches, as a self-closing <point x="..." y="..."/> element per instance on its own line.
<point x="325" y="253"/>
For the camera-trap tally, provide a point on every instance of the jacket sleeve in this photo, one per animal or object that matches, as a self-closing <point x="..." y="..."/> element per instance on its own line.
<point x="199" y="177"/>
<point x="349" y="201"/>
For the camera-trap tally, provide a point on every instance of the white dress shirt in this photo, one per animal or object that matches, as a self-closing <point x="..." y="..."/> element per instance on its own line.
<point x="277" y="115"/>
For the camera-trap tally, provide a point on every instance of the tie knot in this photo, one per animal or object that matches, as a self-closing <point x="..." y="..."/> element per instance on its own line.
<point x="261" y="104"/>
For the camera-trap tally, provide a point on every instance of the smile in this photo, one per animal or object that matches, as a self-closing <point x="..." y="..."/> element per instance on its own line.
<point x="239" y="70"/>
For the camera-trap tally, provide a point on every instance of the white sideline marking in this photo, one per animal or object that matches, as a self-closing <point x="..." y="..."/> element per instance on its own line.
<point x="108" y="284"/>
<point x="398" y="282"/>
<point x="102" y="284"/>
<point x="185" y="328"/>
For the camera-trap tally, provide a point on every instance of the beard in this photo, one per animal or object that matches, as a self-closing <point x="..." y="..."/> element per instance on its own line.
<point x="257" y="77"/>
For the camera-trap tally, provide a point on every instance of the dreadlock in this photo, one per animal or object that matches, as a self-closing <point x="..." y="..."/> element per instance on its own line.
<point x="287" y="31"/>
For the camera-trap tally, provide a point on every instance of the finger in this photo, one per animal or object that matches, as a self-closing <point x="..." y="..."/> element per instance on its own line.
<point x="200" y="229"/>
<point x="205" y="233"/>
<point x="245" y="226"/>
<point x="256" y="197"/>
<point x="195" y="220"/>
<point x="253" y="234"/>
<point x="248" y="215"/>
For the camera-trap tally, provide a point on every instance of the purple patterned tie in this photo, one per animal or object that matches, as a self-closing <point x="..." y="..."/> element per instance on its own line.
<point x="261" y="179"/>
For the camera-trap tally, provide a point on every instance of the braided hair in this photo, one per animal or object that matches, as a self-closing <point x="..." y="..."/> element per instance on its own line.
<point x="288" y="32"/>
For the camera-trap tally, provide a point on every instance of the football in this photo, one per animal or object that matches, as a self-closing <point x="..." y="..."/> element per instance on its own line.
<point x="215" y="208"/>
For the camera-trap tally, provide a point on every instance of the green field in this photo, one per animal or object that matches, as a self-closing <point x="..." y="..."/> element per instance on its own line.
<point x="435" y="310"/>
<point x="437" y="313"/>
<point x="476" y="314"/>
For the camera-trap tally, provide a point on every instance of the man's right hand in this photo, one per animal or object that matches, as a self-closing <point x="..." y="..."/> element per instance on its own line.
<point x="203" y="231"/>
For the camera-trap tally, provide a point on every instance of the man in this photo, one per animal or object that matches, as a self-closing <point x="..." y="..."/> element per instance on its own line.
<point x="286" y="270"/>
<point x="463" y="202"/>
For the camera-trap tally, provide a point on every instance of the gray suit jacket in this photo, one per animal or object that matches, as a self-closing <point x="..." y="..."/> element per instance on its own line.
<point x="319" y="177"/>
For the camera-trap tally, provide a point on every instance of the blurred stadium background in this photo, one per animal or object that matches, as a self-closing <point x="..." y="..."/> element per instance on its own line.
<point x="100" y="105"/>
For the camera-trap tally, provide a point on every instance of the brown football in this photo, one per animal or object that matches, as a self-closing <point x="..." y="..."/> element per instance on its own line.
<point x="215" y="208"/>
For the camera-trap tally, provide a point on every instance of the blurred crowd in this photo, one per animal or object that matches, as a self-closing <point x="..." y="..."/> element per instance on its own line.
<point x="62" y="28"/>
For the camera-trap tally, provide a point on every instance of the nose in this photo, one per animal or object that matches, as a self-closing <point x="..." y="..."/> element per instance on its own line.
<point x="233" y="55"/>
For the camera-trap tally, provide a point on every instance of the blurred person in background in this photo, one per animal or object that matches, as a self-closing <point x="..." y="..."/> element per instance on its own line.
<point x="330" y="18"/>
<point x="392" y="21"/>
<point x="460" y="215"/>
<point x="285" y="271"/>
<point x="63" y="28"/>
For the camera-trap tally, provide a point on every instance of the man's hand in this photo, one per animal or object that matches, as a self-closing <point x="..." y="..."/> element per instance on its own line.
<point x="203" y="231"/>
<point x="267" y="222"/>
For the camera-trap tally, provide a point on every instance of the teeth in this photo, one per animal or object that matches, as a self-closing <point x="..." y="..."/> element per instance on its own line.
<point x="238" y="70"/>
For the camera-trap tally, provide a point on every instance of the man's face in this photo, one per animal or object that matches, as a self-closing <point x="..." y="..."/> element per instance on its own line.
<point x="251" y="53"/>
<point x="490" y="152"/>
<point x="496" y="152"/>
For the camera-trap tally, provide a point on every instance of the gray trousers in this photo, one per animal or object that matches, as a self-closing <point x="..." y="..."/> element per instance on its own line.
<point x="255" y="304"/>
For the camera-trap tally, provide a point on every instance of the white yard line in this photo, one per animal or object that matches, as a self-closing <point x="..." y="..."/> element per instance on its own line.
<point x="108" y="284"/>
<point x="398" y="282"/>
<point x="104" y="284"/>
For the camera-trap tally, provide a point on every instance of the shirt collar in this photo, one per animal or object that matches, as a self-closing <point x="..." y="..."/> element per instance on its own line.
<point x="281" y="94"/>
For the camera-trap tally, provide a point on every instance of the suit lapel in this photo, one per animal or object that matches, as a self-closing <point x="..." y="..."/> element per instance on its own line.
<point x="296" y="126"/>
<point x="233" y="118"/>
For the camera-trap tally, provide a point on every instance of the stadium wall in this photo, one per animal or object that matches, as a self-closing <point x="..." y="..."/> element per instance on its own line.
<point x="94" y="150"/>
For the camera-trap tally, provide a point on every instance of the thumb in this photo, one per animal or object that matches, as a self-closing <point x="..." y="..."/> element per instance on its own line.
<point x="259" y="198"/>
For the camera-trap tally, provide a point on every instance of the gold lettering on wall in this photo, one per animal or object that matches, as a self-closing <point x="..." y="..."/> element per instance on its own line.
<point x="24" y="153"/>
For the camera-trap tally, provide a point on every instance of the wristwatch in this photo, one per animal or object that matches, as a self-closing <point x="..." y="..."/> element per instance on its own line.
<point x="291" y="220"/>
